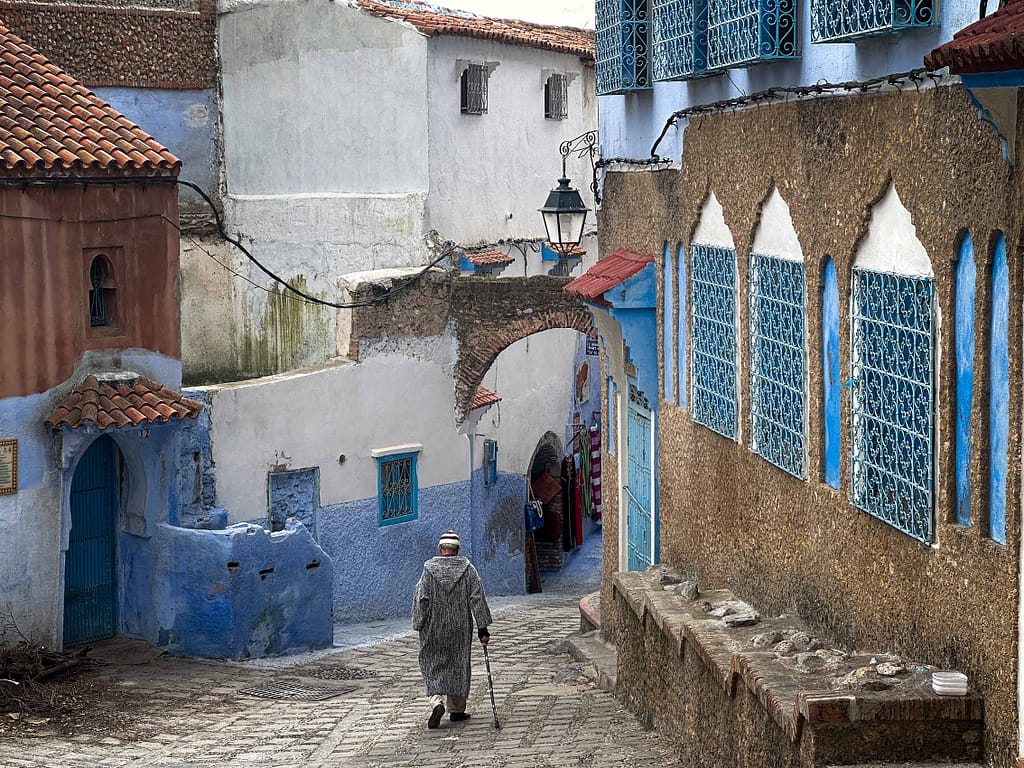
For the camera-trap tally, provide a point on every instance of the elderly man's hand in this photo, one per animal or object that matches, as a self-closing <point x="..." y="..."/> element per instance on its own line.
<point x="484" y="640"/>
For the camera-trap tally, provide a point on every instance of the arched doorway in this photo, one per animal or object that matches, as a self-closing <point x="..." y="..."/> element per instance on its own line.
<point x="90" y="563"/>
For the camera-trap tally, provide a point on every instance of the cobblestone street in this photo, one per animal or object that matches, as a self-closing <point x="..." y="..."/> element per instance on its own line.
<point x="184" y="712"/>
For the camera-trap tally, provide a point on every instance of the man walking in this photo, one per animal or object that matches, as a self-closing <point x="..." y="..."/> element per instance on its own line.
<point x="449" y="597"/>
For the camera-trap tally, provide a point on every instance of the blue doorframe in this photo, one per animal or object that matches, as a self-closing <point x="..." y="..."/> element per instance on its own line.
<point x="90" y="563"/>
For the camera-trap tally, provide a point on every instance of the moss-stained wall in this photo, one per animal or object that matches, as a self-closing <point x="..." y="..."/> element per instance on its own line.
<point x="787" y="544"/>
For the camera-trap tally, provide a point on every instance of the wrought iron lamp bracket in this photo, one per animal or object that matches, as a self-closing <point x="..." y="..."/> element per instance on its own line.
<point x="584" y="145"/>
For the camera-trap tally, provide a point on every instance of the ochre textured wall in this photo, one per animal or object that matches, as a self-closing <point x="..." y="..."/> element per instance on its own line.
<point x="785" y="544"/>
<point x="48" y="238"/>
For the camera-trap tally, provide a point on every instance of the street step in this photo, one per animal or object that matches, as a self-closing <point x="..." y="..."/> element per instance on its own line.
<point x="909" y="765"/>
<point x="590" y="612"/>
<point x="597" y="655"/>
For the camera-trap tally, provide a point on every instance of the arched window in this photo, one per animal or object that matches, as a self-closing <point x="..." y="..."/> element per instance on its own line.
<point x="893" y="374"/>
<point x="830" y="372"/>
<point x="101" y="292"/>
<point x="966" y="275"/>
<point x="999" y="393"/>
<point x="778" y="341"/>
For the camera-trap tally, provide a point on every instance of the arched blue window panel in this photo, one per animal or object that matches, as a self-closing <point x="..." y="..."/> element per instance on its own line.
<point x="892" y="435"/>
<point x="999" y="393"/>
<point x="713" y="328"/>
<point x="778" y="362"/>
<point x="843" y="20"/>
<point x="668" y="317"/>
<point x="622" y="46"/>
<point x="831" y="381"/>
<point x="966" y="278"/>
<point x="743" y="32"/>
<point x="679" y="38"/>
<point x="681" y="282"/>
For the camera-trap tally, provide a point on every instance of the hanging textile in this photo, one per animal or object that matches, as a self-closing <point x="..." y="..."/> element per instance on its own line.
<point x="568" y="503"/>
<point x="585" y="468"/>
<point x="577" y="509"/>
<point x="595" y="471"/>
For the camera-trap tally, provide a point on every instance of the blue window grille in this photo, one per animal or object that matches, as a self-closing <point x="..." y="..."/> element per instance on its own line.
<point x="778" y="362"/>
<point x="490" y="462"/>
<point x="396" y="488"/>
<point x="893" y="400"/>
<point x="742" y="32"/>
<point x="713" y="333"/>
<point x="844" y="20"/>
<point x="621" y="39"/>
<point x="679" y="38"/>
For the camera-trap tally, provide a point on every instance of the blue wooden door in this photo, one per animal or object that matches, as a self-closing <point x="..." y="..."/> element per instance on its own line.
<point x="90" y="584"/>
<point x="639" y="518"/>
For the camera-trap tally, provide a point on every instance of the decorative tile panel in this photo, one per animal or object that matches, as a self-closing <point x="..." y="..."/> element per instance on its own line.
<point x="844" y="20"/>
<point x="713" y="333"/>
<point x="743" y="32"/>
<point x="622" y="41"/>
<point x="778" y="362"/>
<point x="893" y="400"/>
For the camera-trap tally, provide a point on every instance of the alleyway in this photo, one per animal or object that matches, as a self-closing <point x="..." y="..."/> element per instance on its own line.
<point x="182" y="712"/>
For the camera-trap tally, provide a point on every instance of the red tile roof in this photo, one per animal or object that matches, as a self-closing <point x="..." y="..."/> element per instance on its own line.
<point x="992" y="44"/>
<point x="435" y="20"/>
<point x="122" y="403"/>
<point x="482" y="398"/>
<point x="489" y="258"/>
<point x="576" y="252"/>
<point x="51" y="122"/>
<point x="607" y="273"/>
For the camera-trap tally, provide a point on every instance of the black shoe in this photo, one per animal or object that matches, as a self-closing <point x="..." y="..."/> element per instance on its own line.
<point x="435" y="716"/>
<point x="458" y="717"/>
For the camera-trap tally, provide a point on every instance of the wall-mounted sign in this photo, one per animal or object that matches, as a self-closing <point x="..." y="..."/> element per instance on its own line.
<point x="592" y="347"/>
<point x="8" y="466"/>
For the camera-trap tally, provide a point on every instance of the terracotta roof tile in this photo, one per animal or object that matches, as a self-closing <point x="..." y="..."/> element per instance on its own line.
<point x="607" y="273"/>
<point x="104" y="403"/>
<point x="483" y="397"/>
<point x="489" y="258"/>
<point x="433" y="20"/>
<point x="992" y="44"/>
<point x="49" y="121"/>
<point x="576" y="252"/>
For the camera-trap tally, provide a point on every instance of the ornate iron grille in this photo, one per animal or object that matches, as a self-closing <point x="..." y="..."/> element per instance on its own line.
<point x="679" y="38"/>
<point x="742" y="32"/>
<point x="621" y="39"/>
<point x="893" y="400"/>
<point x="556" y="97"/>
<point x="713" y="334"/>
<point x="397" y="483"/>
<point x="839" y="20"/>
<point x="778" y="362"/>
<point x="474" y="90"/>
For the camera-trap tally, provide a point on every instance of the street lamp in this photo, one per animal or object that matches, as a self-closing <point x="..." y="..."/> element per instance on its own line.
<point x="564" y="211"/>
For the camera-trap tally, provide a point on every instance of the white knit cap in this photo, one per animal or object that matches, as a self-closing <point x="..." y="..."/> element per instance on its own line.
<point x="449" y="540"/>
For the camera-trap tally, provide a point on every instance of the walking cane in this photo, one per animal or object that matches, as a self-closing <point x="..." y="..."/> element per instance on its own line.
<point x="490" y="687"/>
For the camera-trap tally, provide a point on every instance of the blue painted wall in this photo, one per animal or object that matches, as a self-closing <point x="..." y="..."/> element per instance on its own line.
<point x="183" y="121"/>
<point x="237" y="593"/>
<point x="295" y="493"/>
<point x="612" y="392"/>
<point x="499" y="532"/>
<point x="999" y="393"/>
<point x="681" y="283"/>
<point x="966" y="279"/>
<point x="668" y="315"/>
<point x="830" y="372"/>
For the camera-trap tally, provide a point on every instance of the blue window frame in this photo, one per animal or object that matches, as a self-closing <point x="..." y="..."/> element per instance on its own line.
<point x="679" y="38"/>
<point x="999" y="393"/>
<point x="743" y="32"/>
<point x="622" y="45"/>
<point x="893" y="403"/>
<point x="397" y="488"/>
<point x="668" y="318"/>
<point x="713" y="330"/>
<point x="844" y="20"/>
<point x="778" y="362"/>
<point x="490" y="462"/>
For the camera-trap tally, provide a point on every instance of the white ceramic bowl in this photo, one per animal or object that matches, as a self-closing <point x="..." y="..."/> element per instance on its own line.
<point x="950" y="678"/>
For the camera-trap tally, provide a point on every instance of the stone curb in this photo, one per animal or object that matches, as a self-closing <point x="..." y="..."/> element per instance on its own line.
<point x="597" y="655"/>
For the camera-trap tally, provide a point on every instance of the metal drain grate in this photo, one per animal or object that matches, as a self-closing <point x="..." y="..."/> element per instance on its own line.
<point x="341" y="673"/>
<point x="291" y="691"/>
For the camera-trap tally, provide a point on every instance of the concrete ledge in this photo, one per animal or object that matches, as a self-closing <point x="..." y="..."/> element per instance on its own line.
<point x="849" y="705"/>
<point x="590" y="612"/>
<point x="590" y="649"/>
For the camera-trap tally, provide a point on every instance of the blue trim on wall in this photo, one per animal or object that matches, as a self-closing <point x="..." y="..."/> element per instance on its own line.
<point x="1013" y="78"/>
<point x="667" y="321"/>
<point x="612" y="391"/>
<point x="830" y="373"/>
<point x="681" y="366"/>
<point x="999" y="393"/>
<point x="966" y="287"/>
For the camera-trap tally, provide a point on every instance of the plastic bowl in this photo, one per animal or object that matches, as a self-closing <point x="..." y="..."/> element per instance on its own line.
<point x="958" y="679"/>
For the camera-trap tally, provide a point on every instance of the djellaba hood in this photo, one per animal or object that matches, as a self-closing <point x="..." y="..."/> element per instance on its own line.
<point x="447" y="571"/>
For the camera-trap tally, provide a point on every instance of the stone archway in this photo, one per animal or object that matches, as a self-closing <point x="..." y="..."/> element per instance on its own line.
<point x="491" y="315"/>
